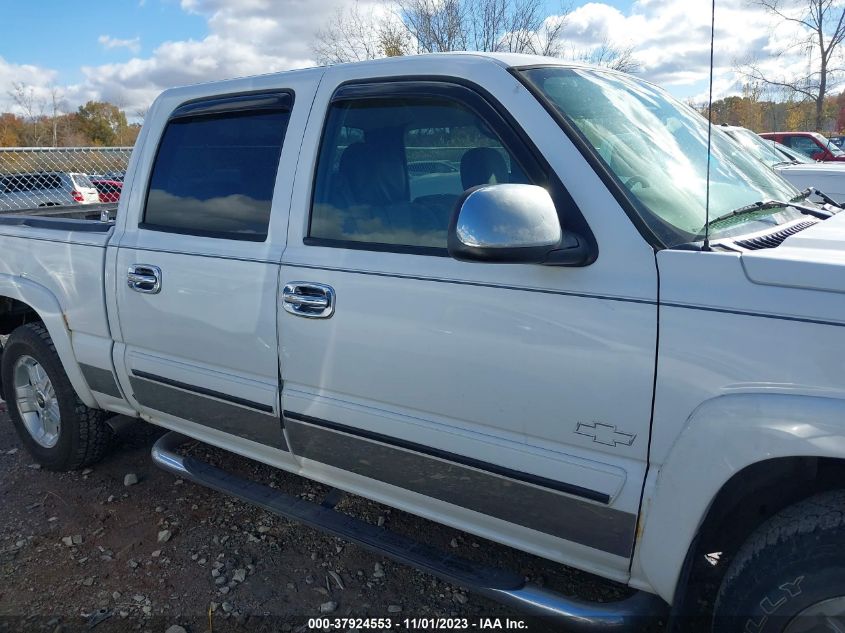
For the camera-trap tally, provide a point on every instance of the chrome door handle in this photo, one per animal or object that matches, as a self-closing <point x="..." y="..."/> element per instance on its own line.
<point x="313" y="301"/>
<point x="144" y="278"/>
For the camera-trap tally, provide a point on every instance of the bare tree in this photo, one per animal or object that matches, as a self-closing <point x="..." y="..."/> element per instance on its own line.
<point x="356" y="33"/>
<point x="611" y="56"/>
<point x="57" y="107"/>
<point x="549" y="35"/>
<point x="515" y="26"/>
<point x="33" y="108"/>
<point x="823" y="25"/>
<point x="436" y="26"/>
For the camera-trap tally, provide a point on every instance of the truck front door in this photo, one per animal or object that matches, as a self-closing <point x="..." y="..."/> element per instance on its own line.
<point x="509" y="400"/>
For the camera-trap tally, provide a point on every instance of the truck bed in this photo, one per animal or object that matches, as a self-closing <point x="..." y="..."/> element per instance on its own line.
<point x="45" y="217"/>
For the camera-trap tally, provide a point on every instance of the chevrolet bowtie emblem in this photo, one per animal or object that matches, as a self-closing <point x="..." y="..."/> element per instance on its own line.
<point x="605" y="434"/>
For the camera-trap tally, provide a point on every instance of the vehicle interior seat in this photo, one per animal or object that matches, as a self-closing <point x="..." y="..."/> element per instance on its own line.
<point x="479" y="166"/>
<point x="366" y="185"/>
<point x="369" y="197"/>
<point x="483" y="166"/>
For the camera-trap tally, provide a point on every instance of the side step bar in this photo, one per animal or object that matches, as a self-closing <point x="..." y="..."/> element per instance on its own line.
<point x="639" y="610"/>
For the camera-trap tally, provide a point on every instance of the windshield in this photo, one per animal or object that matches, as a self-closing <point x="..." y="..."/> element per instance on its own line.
<point x="789" y="153"/>
<point x="757" y="147"/>
<point x="82" y="181"/>
<point x="656" y="147"/>
<point x="830" y="145"/>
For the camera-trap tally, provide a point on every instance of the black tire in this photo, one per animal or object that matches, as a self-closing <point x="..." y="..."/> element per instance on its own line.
<point x="793" y="561"/>
<point x="84" y="436"/>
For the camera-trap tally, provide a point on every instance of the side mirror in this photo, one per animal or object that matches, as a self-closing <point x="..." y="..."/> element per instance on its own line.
<point x="504" y="224"/>
<point x="817" y="155"/>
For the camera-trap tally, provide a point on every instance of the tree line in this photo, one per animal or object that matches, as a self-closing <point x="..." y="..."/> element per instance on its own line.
<point x="770" y="101"/>
<point x="46" y="122"/>
<point x="760" y="114"/>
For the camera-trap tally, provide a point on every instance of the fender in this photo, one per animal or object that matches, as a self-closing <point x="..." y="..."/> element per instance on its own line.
<point x="721" y="437"/>
<point x="45" y="303"/>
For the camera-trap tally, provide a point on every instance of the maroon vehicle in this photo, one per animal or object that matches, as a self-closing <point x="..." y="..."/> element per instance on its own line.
<point x="810" y="144"/>
<point x="108" y="190"/>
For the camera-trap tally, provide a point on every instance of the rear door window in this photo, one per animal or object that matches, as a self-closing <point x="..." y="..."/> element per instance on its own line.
<point x="82" y="181"/>
<point x="214" y="174"/>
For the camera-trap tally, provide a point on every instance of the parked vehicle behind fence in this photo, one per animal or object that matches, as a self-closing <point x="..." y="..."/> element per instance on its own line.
<point x="487" y="289"/>
<point x="108" y="190"/>
<point x="45" y="189"/>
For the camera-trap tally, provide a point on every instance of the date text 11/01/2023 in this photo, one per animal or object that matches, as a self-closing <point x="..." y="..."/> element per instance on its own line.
<point x="491" y="624"/>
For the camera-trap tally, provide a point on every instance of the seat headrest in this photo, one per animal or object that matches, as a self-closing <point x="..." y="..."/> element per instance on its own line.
<point x="483" y="166"/>
<point x="373" y="175"/>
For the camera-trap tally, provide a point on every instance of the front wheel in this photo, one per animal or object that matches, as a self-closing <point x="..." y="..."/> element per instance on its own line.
<point x="789" y="576"/>
<point x="58" y="430"/>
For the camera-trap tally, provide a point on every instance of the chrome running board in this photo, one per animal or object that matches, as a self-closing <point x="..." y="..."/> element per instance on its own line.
<point x="637" y="611"/>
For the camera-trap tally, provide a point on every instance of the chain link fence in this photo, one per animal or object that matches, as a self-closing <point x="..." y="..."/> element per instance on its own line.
<point x="36" y="178"/>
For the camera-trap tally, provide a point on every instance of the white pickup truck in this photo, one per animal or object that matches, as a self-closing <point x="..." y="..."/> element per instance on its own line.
<point x="484" y="289"/>
<point x="827" y="177"/>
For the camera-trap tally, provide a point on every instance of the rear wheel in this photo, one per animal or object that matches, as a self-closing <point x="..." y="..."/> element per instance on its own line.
<point x="789" y="576"/>
<point x="58" y="430"/>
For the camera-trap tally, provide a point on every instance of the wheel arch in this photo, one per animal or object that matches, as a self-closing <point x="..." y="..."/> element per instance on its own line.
<point x="739" y="459"/>
<point x="23" y="300"/>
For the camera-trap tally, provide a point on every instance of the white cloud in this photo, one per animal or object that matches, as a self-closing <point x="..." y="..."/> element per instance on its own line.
<point x="38" y="81"/>
<point x="671" y="40"/>
<point x="110" y="42"/>
<point x="246" y="37"/>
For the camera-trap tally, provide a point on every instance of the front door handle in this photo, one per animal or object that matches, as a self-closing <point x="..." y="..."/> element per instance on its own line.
<point x="144" y="278"/>
<point x="313" y="301"/>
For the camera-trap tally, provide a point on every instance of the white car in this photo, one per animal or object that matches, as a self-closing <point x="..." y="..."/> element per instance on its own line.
<point x="32" y="190"/>
<point x="558" y="343"/>
<point x="803" y="172"/>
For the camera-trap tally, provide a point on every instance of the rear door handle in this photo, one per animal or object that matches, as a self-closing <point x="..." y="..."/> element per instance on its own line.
<point x="144" y="278"/>
<point x="309" y="300"/>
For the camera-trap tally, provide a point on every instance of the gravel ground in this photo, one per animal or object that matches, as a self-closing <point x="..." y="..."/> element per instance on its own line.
<point x="83" y="549"/>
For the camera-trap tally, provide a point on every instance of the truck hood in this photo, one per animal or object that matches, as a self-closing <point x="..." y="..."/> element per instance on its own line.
<point x="837" y="169"/>
<point x="813" y="259"/>
<point x="826" y="177"/>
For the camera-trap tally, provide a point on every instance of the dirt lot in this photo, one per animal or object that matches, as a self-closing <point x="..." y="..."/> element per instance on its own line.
<point x="82" y="549"/>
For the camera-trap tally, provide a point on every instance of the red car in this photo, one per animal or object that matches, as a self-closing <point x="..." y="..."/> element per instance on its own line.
<point x="109" y="190"/>
<point x="810" y="144"/>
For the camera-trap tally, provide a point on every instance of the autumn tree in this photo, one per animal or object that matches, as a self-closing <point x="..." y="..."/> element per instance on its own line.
<point x="11" y="130"/>
<point x="103" y="123"/>
<point x="822" y="25"/>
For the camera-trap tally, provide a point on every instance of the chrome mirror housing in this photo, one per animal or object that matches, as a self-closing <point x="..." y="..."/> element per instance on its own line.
<point x="508" y="223"/>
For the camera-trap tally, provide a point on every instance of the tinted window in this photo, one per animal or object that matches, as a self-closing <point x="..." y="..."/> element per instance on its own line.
<point x="391" y="170"/>
<point x="214" y="175"/>
<point x="806" y="146"/>
<point x="30" y="182"/>
<point x="107" y="186"/>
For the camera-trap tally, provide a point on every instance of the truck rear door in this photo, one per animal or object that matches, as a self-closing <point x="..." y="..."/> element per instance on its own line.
<point x="197" y="264"/>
